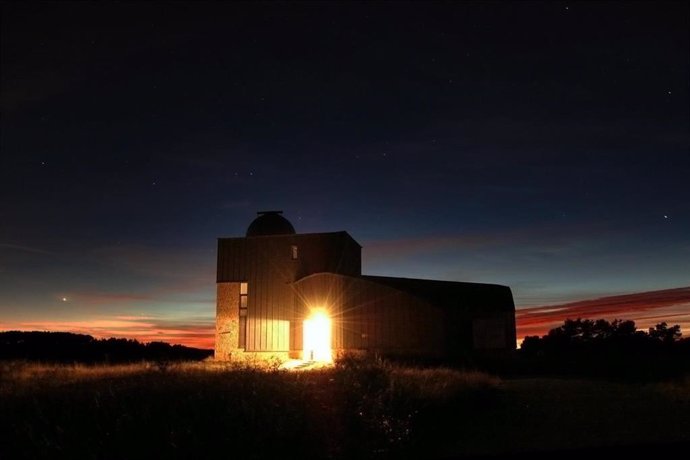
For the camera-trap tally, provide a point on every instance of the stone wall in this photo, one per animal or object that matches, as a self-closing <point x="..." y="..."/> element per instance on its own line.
<point x="227" y="320"/>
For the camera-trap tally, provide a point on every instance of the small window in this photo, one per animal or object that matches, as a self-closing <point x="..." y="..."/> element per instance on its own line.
<point x="489" y="333"/>
<point x="295" y="252"/>
<point x="242" y="339"/>
<point x="243" y="332"/>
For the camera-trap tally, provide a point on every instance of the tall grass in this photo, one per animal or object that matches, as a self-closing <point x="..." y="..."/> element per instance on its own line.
<point x="678" y="389"/>
<point x="400" y="410"/>
<point x="360" y="407"/>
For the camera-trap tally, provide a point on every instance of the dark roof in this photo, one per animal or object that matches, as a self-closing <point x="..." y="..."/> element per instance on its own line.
<point x="299" y="236"/>
<point x="449" y="293"/>
<point x="452" y="296"/>
<point x="270" y="223"/>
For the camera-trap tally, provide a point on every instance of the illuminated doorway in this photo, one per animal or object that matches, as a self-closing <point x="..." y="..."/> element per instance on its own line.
<point x="317" y="337"/>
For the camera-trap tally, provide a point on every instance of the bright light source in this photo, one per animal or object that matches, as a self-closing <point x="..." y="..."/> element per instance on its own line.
<point x="317" y="337"/>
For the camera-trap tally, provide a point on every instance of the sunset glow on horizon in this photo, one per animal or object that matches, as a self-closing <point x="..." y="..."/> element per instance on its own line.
<point x="647" y="309"/>
<point x="197" y="335"/>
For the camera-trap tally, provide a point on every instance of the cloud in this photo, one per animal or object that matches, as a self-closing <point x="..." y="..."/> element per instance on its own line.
<point x="94" y="298"/>
<point x="552" y="240"/>
<point x="645" y="308"/>
<point x="408" y="246"/>
<point x="134" y="317"/>
<point x="170" y="262"/>
<point x="21" y="248"/>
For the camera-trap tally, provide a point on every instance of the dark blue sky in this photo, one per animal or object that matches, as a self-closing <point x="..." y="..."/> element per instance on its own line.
<point x="540" y="145"/>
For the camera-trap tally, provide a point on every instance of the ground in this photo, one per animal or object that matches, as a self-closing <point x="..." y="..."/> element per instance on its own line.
<point x="543" y="414"/>
<point x="354" y="410"/>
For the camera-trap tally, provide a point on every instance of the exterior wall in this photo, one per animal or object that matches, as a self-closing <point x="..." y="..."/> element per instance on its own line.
<point x="317" y="252"/>
<point x="227" y="320"/>
<point x="393" y="316"/>
<point x="372" y="317"/>
<point x="266" y="264"/>
<point x="477" y="316"/>
<point x="444" y="320"/>
<point x="493" y="320"/>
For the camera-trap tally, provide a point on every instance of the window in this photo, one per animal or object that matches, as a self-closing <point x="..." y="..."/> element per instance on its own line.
<point x="489" y="333"/>
<point x="242" y="342"/>
<point x="294" y="252"/>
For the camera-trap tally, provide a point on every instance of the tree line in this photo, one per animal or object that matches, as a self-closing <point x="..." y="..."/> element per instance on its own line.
<point x="66" y="347"/>
<point x="608" y="349"/>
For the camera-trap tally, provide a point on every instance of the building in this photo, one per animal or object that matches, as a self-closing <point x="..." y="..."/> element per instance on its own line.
<point x="288" y="295"/>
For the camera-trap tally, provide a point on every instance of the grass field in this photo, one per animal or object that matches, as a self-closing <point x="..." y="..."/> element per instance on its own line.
<point x="358" y="409"/>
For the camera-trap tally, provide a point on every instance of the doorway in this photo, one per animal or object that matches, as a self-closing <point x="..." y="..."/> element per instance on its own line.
<point x="317" y="337"/>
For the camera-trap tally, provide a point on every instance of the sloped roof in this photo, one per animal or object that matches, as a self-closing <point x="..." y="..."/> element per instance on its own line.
<point x="451" y="293"/>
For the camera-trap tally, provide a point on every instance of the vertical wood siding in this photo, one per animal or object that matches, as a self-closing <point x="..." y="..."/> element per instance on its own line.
<point x="369" y="316"/>
<point x="389" y="315"/>
<point x="266" y="264"/>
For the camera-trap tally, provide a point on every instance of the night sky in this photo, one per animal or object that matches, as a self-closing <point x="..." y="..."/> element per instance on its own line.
<point x="544" y="146"/>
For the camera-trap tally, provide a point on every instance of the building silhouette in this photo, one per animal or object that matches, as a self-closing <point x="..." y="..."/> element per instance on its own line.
<point x="288" y="295"/>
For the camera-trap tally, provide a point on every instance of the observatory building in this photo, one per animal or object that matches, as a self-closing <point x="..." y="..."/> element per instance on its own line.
<point x="281" y="294"/>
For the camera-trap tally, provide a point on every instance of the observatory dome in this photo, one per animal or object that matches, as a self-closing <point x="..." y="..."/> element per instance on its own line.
<point x="270" y="223"/>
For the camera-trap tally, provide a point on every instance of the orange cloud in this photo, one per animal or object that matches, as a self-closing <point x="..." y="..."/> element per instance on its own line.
<point x="645" y="308"/>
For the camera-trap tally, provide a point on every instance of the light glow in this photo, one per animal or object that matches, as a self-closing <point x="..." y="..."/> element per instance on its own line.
<point x="317" y="337"/>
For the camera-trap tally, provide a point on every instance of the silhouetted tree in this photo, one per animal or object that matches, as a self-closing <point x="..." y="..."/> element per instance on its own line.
<point x="614" y="348"/>
<point x="585" y="330"/>
<point x="623" y="328"/>
<point x="664" y="333"/>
